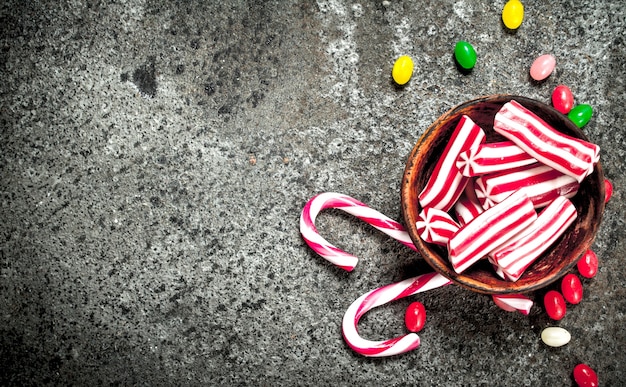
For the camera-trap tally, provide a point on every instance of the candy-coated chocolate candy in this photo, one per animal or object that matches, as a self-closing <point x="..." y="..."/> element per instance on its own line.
<point x="555" y="336"/>
<point x="402" y="70"/>
<point x="554" y="303"/>
<point x="580" y="114"/>
<point x="465" y="55"/>
<point x="415" y="317"/>
<point x="542" y="67"/>
<point x="585" y="376"/>
<point x="513" y="14"/>
<point x="588" y="264"/>
<point x="572" y="289"/>
<point x="562" y="99"/>
<point x="608" y="190"/>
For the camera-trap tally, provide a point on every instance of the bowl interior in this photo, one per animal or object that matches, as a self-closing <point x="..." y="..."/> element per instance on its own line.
<point x="556" y="261"/>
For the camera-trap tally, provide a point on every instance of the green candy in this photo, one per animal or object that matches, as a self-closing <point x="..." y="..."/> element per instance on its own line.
<point x="580" y="114"/>
<point x="465" y="55"/>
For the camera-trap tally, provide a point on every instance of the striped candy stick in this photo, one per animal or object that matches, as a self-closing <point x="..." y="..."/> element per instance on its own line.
<point x="435" y="226"/>
<point x="516" y="255"/>
<point x="446" y="183"/>
<point x="379" y="297"/>
<point x="492" y="157"/>
<point x="354" y="207"/>
<point x="569" y="155"/>
<point x="513" y="302"/>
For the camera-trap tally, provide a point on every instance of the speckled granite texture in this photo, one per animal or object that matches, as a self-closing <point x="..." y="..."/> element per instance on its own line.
<point x="155" y="156"/>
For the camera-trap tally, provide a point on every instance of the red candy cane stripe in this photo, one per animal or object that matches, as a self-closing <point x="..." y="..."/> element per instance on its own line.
<point x="379" y="297"/>
<point x="354" y="207"/>
<point x="517" y="255"/>
<point x="435" y="226"/>
<point x="468" y="207"/>
<point x="542" y="183"/>
<point x="571" y="156"/>
<point x="513" y="302"/>
<point x="492" y="157"/>
<point x="489" y="230"/>
<point x="446" y="183"/>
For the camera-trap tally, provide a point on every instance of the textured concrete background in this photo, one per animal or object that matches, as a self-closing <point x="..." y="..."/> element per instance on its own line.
<point x="156" y="156"/>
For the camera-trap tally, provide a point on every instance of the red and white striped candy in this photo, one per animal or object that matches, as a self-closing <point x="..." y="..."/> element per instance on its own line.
<point x="435" y="226"/>
<point x="354" y="207"/>
<point x="379" y="297"/>
<point x="569" y="155"/>
<point x="515" y="256"/>
<point x="492" y="157"/>
<point x="489" y="230"/>
<point x="468" y="207"/>
<point x="542" y="184"/>
<point x="513" y="302"/>
<point x="446" y="183"/>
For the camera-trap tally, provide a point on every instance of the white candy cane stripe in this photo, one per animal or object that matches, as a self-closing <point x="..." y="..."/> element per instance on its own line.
<point x="354" y="207"/>
<point x="379" y="297"/>
<point x="542" y="183"/>
<point x="571" y="156"/>
<point x="435" y="226"/>
<point x="489" y="230"/>
<point x="492" y="157"/>
<point x="467" y="207"/>
<point x="497" y="268"/>
<point x="513" y="302"/>
<point x="515" y="256"/>
<point x="446" y="183"/>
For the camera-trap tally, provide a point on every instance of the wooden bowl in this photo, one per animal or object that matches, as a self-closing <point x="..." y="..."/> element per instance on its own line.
<point x="480" y="277"/>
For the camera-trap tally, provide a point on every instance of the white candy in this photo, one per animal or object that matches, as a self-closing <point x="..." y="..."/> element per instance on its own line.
<point x="555" y="336"/>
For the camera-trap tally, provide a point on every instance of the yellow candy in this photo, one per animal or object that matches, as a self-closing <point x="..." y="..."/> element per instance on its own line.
<point x="513" y="14"/>
<point x="402" y="70"/>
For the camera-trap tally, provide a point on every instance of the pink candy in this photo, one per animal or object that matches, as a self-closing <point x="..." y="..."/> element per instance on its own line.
<point x="446" y="183"/>
<point x="354" y="207"/>
<point x="379" y="297"/>
<point x="492" y="157"/>
<point x="569" y="155"/>
<point x="542" y="67"/>
<point x="517" y="254"/>
<point x="489" y="230"/>
<point x="435" y="226"/>
<point x="542" y="184"/>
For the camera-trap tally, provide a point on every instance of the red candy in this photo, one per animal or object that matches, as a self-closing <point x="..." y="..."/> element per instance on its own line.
<point x="562" y="99"/>
<point x="572" y="289"/>
<point x="415" y="317"/>
<point x="608" y="190"/>
<point x="554" y="303"/>
<point x="585" y="376"/>
<point x="588" y="264"/>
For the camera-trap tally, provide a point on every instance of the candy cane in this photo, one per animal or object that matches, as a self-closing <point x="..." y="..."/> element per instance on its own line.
<point x="354" y="207"/>
<point x="380" y="296"/>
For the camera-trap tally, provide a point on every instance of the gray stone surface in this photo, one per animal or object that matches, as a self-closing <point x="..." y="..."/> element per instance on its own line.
<point x="156" y="156"/>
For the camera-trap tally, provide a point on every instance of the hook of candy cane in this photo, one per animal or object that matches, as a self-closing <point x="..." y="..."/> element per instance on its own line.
<point x="379" y="297"/>
<point x="354" y="207"/>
